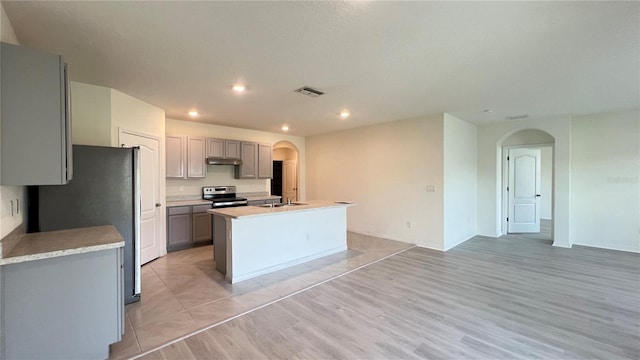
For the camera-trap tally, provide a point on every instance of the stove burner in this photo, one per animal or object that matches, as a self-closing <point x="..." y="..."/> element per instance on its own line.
<point x="222" y="196"/>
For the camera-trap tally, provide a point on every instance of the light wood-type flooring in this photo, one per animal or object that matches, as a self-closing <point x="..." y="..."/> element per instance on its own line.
<point x="511" y="297"/>
<point x="183" y="292"/>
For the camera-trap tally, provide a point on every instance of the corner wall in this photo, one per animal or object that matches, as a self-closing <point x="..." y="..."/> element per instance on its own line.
<point x="385" y="169"/>
<point x="460" y="181"/>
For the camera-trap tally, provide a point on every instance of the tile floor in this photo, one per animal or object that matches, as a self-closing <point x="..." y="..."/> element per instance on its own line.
<point x="183" y="292"/>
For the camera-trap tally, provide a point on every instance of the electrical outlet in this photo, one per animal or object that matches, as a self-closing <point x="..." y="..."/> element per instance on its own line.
<point x="181" y="188"/>
<point x="409" y="224"/>
<point x="430" y="188"/>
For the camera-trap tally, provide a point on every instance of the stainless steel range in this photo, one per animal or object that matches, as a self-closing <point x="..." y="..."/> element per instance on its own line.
<point x="222" y="196"/>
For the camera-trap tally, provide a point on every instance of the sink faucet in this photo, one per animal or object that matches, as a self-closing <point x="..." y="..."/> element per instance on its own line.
<point x="288" y="201"/>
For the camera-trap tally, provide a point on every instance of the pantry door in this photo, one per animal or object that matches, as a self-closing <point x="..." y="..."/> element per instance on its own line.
<point x="151" y="211"/>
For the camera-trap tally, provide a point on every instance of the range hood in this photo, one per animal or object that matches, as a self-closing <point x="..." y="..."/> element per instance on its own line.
<point x="223" y="161"/>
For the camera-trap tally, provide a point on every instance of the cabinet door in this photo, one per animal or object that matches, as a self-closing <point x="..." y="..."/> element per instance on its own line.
<point x="178" y="231"/>
<point x="36" y="143"/>
<point x="265" y="165"/>
<point x="215" y="147"/>
<point x="232" y="149"/>
<point x="175" y="156"/>
<point x="249" y="156"/>
<point x="196" y="167"/>
<point x="202" y="228"/>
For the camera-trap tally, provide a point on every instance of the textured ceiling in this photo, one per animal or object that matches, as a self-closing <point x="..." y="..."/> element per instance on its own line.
<point x="382" y="61"/>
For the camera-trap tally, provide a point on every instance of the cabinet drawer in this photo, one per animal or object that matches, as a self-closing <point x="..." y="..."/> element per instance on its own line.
<point x="197" y="209"/>
<point x="179" y="210"/>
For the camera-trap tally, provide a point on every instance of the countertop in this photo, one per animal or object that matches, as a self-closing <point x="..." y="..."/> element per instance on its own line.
<point x="250" y="211"/>
<point x="50" y="244"/>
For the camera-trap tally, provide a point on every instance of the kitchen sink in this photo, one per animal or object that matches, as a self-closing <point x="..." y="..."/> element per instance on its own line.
<point x="281" y="204"/>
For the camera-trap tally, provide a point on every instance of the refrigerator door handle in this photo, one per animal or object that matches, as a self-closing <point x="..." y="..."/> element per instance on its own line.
<point x="137" y="212"/>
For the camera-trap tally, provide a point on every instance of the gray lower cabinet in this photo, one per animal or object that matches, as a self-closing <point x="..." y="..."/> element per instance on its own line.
<point x="67" y="307"/>
<point x="178" y="228"/>
<point x="188" y="226"/>
<point x="35" y="118"/>
<point x="201" y="224"/>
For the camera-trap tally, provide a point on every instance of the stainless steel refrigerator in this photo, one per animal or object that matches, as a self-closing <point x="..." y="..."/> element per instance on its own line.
<point x="105" y="190"/>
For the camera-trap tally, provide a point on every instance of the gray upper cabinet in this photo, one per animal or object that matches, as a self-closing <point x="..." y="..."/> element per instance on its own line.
<point x="185" y="157"/>
<point x="223" y="148"/>
<point x="232" y="149"/>
<point x="215" y="148"/>
<point x="175" y="156"/>
<point x="249" y="156"/>
<point x="265" y="164"/>
<point x="196" y="166"/>
<point x="35" y="118"/>
<point x="256" y="161"/>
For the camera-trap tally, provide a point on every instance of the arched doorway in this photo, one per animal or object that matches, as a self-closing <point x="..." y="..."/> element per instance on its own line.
<point x="527" y="182"/>
<point x="286" y="165"/>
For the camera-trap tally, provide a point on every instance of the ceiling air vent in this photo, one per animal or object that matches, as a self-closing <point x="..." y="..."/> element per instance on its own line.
<point x="517" y="117"/>
<point x="309" y="91"/>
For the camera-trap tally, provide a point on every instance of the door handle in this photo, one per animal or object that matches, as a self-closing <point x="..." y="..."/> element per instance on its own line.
<point x="538" y="195"/>
<point x="158" y="204"/>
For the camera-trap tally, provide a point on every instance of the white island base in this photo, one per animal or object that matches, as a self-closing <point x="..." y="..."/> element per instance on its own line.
<point x="252" y="241"/>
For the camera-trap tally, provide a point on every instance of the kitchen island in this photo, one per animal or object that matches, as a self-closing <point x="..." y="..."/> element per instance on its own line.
<point x="250" y="241"/>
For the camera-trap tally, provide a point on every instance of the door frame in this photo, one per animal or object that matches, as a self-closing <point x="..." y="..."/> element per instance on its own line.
<point x="160" y="218"/>
<point x="289" y="145"/>
<point x="504" y="182"/>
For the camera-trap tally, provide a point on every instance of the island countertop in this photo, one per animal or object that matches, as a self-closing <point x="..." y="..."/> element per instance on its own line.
<point x="251" y="211"/>
<point x="49" y="244"/>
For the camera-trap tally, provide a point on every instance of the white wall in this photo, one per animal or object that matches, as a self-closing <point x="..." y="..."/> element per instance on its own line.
<point x="460" y="174"/>
<point x="490" y="141"/>
<point x="385" y="168"/>
<point x="223" y="174"/>
<point x="605" y="186"/>
<point x="90" y="114"/>
<point x="546" y="181"/>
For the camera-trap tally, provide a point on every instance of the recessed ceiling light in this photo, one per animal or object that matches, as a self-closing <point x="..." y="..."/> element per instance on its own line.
<point x="344" y="114"/>
<point x="285" y="128"/>
<point x="239" y="88"/>
<point x="193" y="113"/>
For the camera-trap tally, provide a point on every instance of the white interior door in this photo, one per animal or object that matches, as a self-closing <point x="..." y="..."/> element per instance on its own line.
<point x="289" y="181"/>
<point x="524" y="191"/>
<point x="151" y="246"/>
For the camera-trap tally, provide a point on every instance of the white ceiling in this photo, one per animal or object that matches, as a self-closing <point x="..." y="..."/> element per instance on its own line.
<point x="382" y="61"/>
